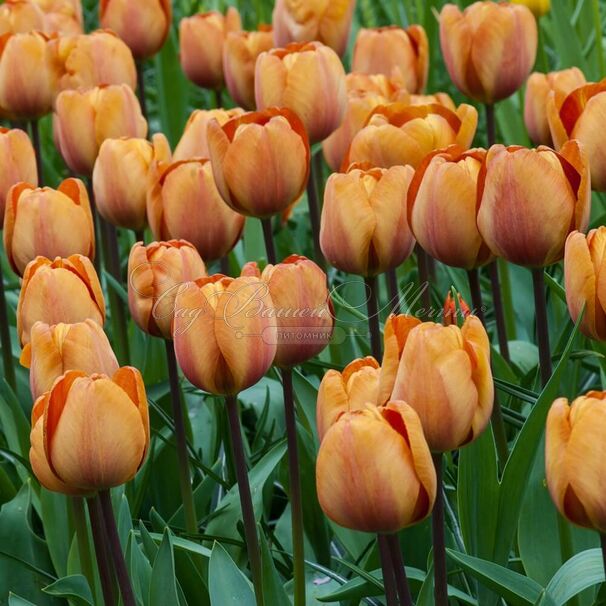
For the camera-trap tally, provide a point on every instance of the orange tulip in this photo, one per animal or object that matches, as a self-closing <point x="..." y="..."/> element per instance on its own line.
<point x="374" y="471"/>
<point x="364" y="230"/>
<point x="574" y="464"/>
<point x="20" y="17"/>
<point x="201" y="40"/>
<point x="62" y="16"/>
<point x="326" y="22"/>
<point x="307" y="78"/>
<point x="53" y="350"/>
<point x="90" y="433"/>
<point x="83" y="119"/>
<point x="453" y="311"/>
<point x="442" y="200"/>
<point x="143" y="24"/>
<point x="47" y="222"/>
<point x="395" y="52"/>
<point x="489" y="48"/>
<point x="224" y="341"/>
<point x="183" y="203"/>
<point x="240" y="53"/>
<point x="397" y="134"/>
<point x="271" y="143"/>
<point x="155" y="273"/>
<point x="63" y="290"/>
<point x="531" y="199"/>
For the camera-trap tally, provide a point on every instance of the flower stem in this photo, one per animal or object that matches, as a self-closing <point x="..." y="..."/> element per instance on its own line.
<point x="389" y="582"/>
<point x="394" y="291"/>
<point x="35" y="131"/>
<point x="101" y="550"/>
<point x="224" y="265"/>
<point x="269" y="240"/>
<point x="603" y="546"/>
<point x="218" y="98"/>
<point x="424" y="282"/>
<point x="140" y="235"/>
<point x="314" y="207"/>
<point x="499" y="312"/>
<point x="79" y="516"/>
<point x="141" y="88"/>
<point x="439" y="544"/>
<point x="540" y="303"/>
<point x="399" y="570"/>
<point x="372" y="306"/>
<point x="5" y="337"/>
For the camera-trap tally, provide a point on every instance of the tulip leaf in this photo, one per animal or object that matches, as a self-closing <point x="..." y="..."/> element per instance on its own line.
<point x="273" y="586"/>
<point x="55" y="520"/>
<point x="227" y="585"/>
<point x="163" y="585"/>
<point x="74" y="587"/>
<point x="15" y="600"/>
<point x="14" y="425"/>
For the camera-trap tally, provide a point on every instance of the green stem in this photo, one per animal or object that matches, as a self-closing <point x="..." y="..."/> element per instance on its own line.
<point x="424" y="283"/>
<point x="374" y="327"/>
<point x="35" y="130"/>
<point x="313" y="199"/>
<point x="141" y="88"/>
<point x="5" y="336"/>
<point x="101" y="550"/>
<point x="540" y="304"/>
<point x="439" y="544"/>
<point x="218" y="98"/>
<point x="510" y="316"/>
<point x="389" y="581"/>
<point x="399" y="569"/>
<point x="597" y="22"/>
<point x="86" y="563"/>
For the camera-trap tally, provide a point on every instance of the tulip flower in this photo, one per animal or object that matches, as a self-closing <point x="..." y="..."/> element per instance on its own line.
<point x="489" y="48"/>
<point x="62" y="16"/>
<point x="307" y="78"/>
<point x="63" y="290"/>
<point x="538" y="7"/>
<point x="143" y="24"/>
<point x="531" y="199"/>
<point x="395" y="52"/>
<point x="326" y="22"/>
<point x="574" y="464"/>
<point x="201" y="40"/>
<point x="452" y="311"/>
<point x="90" y="433"/>
<point x="53" y="350"/>
<point x="224" y="341"/>
<point x="20" y="18"/>
<point x="183" y="203"/>
<point x="83" y="119"/>
<point x="364" y="230"/>
<point x="442" y="200"/>
<point x="397" y="134"/>
<point x="47" y="222"/>
<point x="155" y="273"/>
<point x="240" y="53"/>
<point x="271" y="143"/>
<point x="374" y="471"/>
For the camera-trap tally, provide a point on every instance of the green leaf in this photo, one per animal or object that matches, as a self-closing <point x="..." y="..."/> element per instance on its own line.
<point x="14" y="425"/>
<point x="227" y="585"/>
<point x="273" y="588"/>
<point x="15" y="600"/>
<point x="163" y="585"/>
<point x="74" y="587"/>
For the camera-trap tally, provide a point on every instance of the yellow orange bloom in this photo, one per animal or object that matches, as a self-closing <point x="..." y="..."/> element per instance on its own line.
<point x="62" y="17"/>
<point x="20" y="17"/>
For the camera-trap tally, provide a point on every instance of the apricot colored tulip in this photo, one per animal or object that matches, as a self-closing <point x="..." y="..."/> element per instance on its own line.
<point x="47" y="222"/>
<point x="62" y="17"/>
<point x="201" y="41"/>
<point x="374" y="471"/>
<point x="270" y="143"/>
<point x="63" y="290"/>
<point x="364" y="230"/>
<point x="143" y="24"/>
<point x="531" y="199"/>
<point x="453" y="311"/>
<point x="223" y="341"/>
<point x="538" y="7"/>
<point x="20" y="17"/>
<point x="90" y="433"/>
<point x="307" y="78"/>
<point x="83" y="119"/>
<point x="489" y="48"/>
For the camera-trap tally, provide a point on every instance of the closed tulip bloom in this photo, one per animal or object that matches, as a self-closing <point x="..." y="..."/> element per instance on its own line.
<point x="442" y="200"/>
<point x="62" y="16"/>
<point x="47" y="222"/>
<point x="95" y="431"/>
<point x="395" y="52"/>
<point x="374" y="471"/>
<point x="53" y="350"/>
<point x="155" y="273"/>
<point x="538" y="7"/>
<point x="223" y="341"/>
<point x="307" y="78"/>
<point x="20" y="17"/>
<point x="398" y="134"/>
<point x="574" y="464"/>
<point x="489" y="48"/>
<point x="63" y="290"/>
<point x="240" y="53"/>
<point x="271" y="143"/>
<point x="83" y="119"/>
<point x="364" y="230"/>
<point x="531" y="199"/>
<point x="143" y="24"/>
<point x="201" y="40"/>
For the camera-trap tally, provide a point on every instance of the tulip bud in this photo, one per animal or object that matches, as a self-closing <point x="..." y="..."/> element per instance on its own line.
<point x="83" y="119"/>
<point x="359" y="460"/>
<point x="574" y="464"/>
<point x="143" y="24"/>
<point x="395" y="52"/>
<point x="538" y="7"/>
<point x="444" y="374"/>
<point x="53" y="350"/>
<point x="224" y="340"/>
<point x="451" y="313"/>
<point x="20" y="18"/>
<point x="62" y="16"/>
<point x="155" y="273"/>
<point x="271" y="143"/>
<point x="183" y="203"/>
<point x="47" y="222"/>
<point x="201" y="40"/>
<point x="63" y="290"/>
<point x="397" y="134"/>
<point x="364" y="230"/>
<point x="531" y="199"/>
<point x="326" y="22"/>
<point x="308" y="79"/>
<point x="95" y="432"/>
<point x="240" y="53"/>
<point x="489" y="48"/>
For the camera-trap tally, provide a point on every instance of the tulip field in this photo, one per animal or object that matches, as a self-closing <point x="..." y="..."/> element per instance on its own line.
<point x="302" y="302"/>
